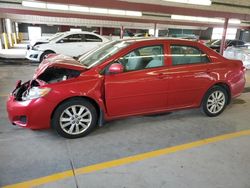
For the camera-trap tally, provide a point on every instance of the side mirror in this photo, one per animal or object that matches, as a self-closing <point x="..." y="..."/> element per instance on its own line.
<point x="116" y="68"/>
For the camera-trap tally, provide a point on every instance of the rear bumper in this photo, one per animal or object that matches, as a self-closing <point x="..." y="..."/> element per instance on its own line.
<point x="238" y="87"/>
<point x="33" y="114"/>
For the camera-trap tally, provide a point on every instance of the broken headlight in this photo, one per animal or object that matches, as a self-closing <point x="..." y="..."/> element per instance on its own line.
<point x="34" y="93"/>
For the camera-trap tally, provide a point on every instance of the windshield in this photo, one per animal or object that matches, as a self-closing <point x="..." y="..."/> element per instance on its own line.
<point x="56" y="36"/>
<point x="102" y="53"/>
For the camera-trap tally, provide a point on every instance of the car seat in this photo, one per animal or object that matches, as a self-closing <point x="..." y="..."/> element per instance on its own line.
<point x="157" y="60"/>
<point x="134" y="61"/>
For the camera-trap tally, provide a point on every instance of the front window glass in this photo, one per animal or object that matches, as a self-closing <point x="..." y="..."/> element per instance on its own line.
<point x="102" y="53"/>
<point x="182" y="55"/>
<point x="142" y="58"/>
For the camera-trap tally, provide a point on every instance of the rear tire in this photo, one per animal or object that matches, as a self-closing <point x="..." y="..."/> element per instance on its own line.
<point x="74" y="118"/>
<point x="215" y="101"/>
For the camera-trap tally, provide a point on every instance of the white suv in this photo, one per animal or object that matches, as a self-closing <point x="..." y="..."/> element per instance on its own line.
<point x="68" y="43"/>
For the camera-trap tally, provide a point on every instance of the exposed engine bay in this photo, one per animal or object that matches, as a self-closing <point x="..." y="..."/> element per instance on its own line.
<point x="54" y="74"/>
<point x="50" y="75"/>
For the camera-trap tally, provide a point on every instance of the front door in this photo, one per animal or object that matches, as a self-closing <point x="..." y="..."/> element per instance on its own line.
<point x="142" y="86"/>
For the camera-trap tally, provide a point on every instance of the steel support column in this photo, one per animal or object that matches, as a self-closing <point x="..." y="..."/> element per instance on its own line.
<point x="122" y="32"/>
<point x="101" y="31"/>
<point x="155" y="28"/>
<point x="4" y="35"/>
<point x="1" y="31"/>
<point x="223" y="40"/>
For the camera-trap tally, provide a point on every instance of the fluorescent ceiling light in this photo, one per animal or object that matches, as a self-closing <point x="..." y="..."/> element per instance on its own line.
<point x="78" y="8"/>
<point x="99" y="10"/>
<point x="194" y="2"/>
<point x="197" y="19"/>
<point x="34" y="4"/>
<point x="57" y="6"/>
<point x="234" y="21"/>
<point x="117" y="12"/>
<point x="133" y="13"/>
<point x="204" y="19"/>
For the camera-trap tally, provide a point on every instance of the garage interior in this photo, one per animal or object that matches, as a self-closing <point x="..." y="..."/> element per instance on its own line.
<point x="178" y="149"/>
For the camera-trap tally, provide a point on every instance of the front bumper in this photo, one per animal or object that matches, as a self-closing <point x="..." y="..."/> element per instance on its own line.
<point x="33" y="114"/>
<point x="33" y="55"/>
<point x="246" y="64"/>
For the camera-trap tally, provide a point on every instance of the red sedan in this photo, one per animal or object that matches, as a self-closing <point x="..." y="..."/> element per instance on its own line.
<point x="124" y="78"/>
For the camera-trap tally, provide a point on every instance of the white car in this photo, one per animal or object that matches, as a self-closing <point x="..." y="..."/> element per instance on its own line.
<point x="239" y="53"/>
<point x="70" y="43"/>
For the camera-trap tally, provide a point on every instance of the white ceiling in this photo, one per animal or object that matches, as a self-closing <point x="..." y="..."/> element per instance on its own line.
<point x="146" y="15"/>
<point x="213" y="7"/>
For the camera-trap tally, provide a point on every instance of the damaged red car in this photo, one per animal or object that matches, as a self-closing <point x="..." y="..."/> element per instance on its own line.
<point x="124" y="78"/>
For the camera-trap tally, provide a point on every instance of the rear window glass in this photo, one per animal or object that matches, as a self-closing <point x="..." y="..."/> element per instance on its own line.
<point x="182" y="55"/>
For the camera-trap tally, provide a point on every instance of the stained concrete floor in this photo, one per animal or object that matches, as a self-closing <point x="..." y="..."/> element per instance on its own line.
<point x="27" y="154"/>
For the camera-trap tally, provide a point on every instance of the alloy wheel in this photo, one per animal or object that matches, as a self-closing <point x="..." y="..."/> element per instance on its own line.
<point x="75" y="119"/>
<point x="216" y="102"/>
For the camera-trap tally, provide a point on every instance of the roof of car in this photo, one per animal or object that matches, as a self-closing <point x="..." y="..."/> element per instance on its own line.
<point x="78" y="32"/>
<point x="141" y="39"/>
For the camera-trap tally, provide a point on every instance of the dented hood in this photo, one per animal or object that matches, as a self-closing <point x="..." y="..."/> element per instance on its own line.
<point x="55" y="60"/>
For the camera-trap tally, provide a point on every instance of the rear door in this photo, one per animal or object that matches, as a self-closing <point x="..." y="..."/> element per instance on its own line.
<point x="142" y="87"/>
<point x="90" y="41"/>
<point x="188" y="75"/>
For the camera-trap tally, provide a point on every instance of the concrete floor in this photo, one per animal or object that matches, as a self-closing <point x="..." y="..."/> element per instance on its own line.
<point x="27" y="154"/>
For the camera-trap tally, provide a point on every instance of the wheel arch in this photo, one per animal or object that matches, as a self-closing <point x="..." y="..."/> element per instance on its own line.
<point x="227" y="89"/>
<point x="49" y="50"/>
<point x="91" y="100"/>
<point x="225" y="86"/>
<point x="44" y="52"/>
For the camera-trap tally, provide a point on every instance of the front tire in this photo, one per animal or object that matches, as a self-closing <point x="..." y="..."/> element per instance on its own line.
<point x="44" y="55"/>
<point x="74" y="118"/>
<point x="215" y="101"/>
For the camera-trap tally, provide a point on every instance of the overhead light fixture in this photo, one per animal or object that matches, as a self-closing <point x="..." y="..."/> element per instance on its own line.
<point x="99" y="10"/>
<point x="197" y="19"/>
<point x="133" y="13"/>
<point x="34" y="4"/>
<point x="78" y="8"/>
<point x="234" y="21"/>
<point x="117" y="12"/>
<point x="193" y="2"/>
<point x="204" y="19"/>
<point x="57" y="6"/>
